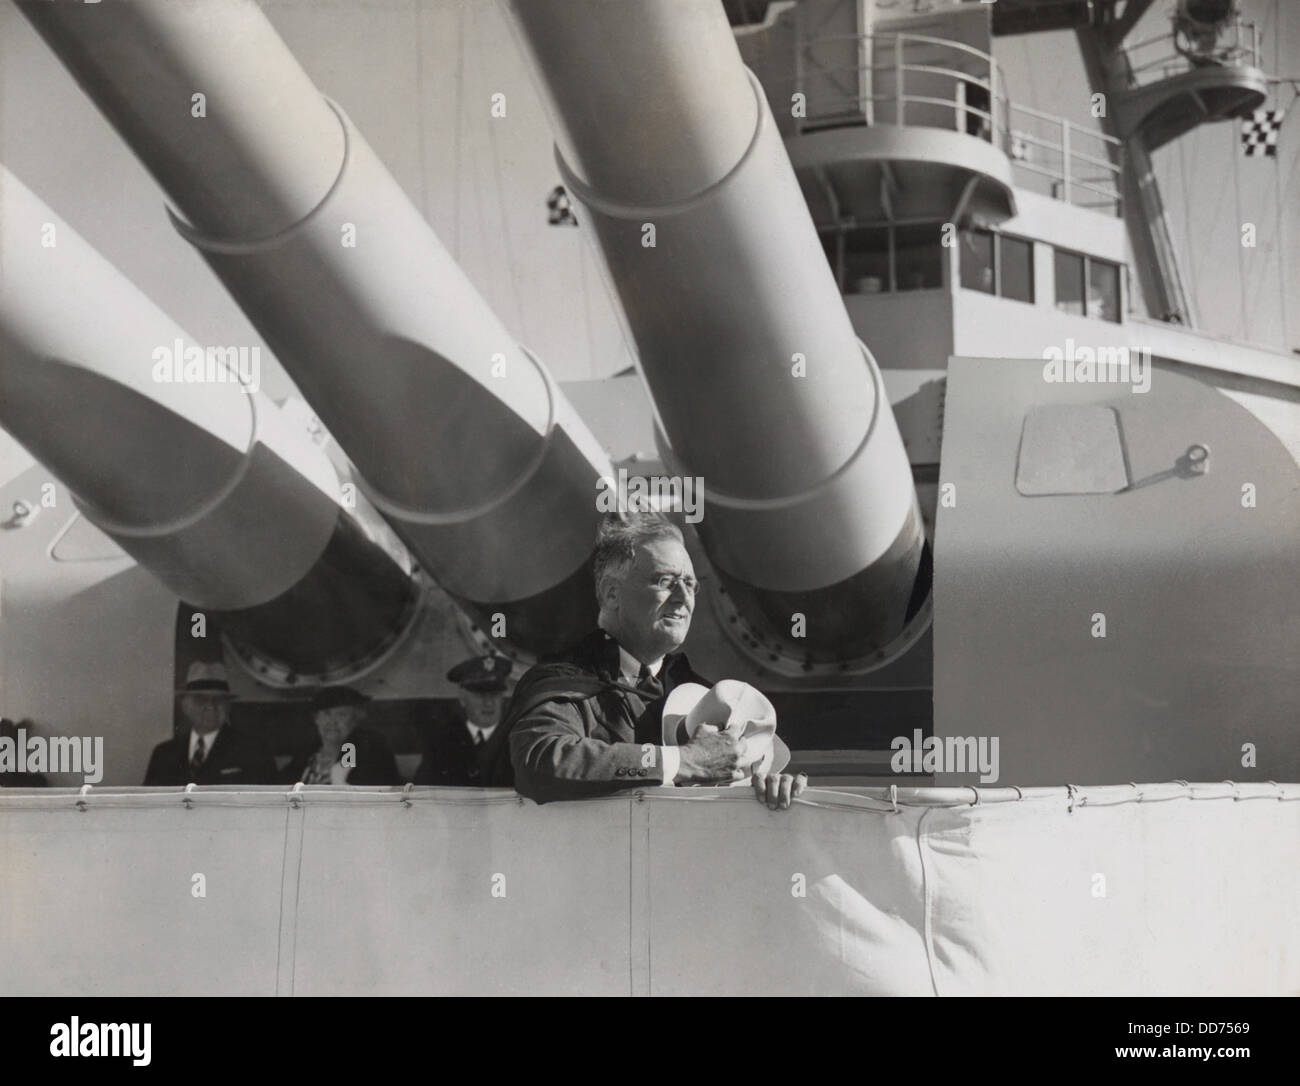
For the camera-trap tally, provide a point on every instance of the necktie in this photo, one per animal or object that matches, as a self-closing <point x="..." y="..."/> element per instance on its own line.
<point x="479" y="739"/>
<point x="651" y="688"/>
<point x="196" y="762"/>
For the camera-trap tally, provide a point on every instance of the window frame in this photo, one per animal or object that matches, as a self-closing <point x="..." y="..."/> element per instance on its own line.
<point x="1088" y="261"/>
<point x="999" y="237"/>
<point x="839" y="269"/>
<point x="938" y="225"/>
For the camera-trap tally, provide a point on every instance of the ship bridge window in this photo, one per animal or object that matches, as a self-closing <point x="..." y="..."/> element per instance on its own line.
<point x="1103" y="290"/>
<point x="1069" y="283"/>
<point x="866" y="260"/>
<point x="885" y="259"/>
<point x="1015" y="269"/>
<point x="977" y="271"/>
<point x="997" y="264"/>
<point x="918" y="257"/>
<point x="1086" y="286"/>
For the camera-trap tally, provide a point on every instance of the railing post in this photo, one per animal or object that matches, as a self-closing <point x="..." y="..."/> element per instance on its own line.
<point x="866" y="77"/>
<point x="899" y="106"/>
<point x="1117" y="179"/>
<point x="961" y="105"/>
<point x="993" y="103"/>
<point x="1065" y="160"/>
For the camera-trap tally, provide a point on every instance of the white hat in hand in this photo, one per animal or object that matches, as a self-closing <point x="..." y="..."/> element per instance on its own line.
<point x="730" y="706"/>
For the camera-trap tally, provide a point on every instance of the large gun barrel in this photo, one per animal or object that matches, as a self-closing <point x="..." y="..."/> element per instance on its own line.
<point x="460" y="437"/>
<point x="760" y="385"/>
<point x="197" y="476"/>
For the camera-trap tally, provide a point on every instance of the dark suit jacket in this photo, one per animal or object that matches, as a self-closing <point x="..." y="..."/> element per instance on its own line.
<point x="576" y="731"/>
<point x="374" y="761"/>
<point x="452" y="758"/>
<point x="235" y="758"/>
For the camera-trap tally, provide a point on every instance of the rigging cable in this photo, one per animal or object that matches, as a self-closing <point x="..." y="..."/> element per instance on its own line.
<point x="1279" y="237"/>
<point x="1279" y="250"/>
<point x="1235" y="154"/>
<point x="482" y="245"/>
<point x="1187" y="248"/>
<point x="511" y="267"/>
<point x="459" y="114"/>
<point x="419" y="114"/>
<point x="586" y="306"/>
<point x="1216" y="216"/>
<point x="521" y="327"/>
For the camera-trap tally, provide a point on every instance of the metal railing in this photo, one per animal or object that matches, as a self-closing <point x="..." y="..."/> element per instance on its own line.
<point x="917" y="80"/>
<point x="1171" y="54"/>
<point x="855" y="101"/>
<point x="1081" y="166"/>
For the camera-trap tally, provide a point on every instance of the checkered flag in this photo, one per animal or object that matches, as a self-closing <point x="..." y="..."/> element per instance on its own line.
<point x="1262" y="131"/>
<point x="559" y="212"/>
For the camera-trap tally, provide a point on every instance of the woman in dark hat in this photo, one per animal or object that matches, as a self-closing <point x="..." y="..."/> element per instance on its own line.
<point x="348" y="752"/>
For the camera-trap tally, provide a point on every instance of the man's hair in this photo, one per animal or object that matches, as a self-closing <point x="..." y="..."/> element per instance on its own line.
<point x="618" y="538"/>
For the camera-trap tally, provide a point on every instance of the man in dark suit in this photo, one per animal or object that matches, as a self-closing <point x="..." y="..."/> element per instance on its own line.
<point x="589" y="722"/>
<point x="472" y="751"/>
<point x="346" y="751"/>
<point x="210" y="751"/>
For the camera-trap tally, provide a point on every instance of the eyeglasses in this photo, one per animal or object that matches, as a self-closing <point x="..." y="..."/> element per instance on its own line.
<point x="669" y="581"/>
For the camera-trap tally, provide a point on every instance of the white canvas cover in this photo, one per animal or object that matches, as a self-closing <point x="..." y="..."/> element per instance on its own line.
<point x="1153" y="889"/>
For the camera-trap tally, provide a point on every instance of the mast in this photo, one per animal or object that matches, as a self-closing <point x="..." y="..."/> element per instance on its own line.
<point x="1203" y="69"/>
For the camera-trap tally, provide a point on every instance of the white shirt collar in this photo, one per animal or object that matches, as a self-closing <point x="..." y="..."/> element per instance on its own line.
<point x="630" y="666"/>
<point x="208" y="740"/>
<point x="475" y="730"/>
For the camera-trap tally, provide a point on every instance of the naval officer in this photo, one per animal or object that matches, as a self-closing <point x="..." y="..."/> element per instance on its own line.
<point x="471" y="751"/>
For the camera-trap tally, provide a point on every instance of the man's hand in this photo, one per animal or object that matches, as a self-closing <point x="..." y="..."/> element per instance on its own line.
<point x="714" y="757"/>
<point x="778" y="790"/>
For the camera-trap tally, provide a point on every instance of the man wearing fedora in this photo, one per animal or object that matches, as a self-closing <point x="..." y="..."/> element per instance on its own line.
<point x="346" y="751"/>
<point x="209" y="751"/>
<point x="472" y="751"/>
<point x="590" y="722"/>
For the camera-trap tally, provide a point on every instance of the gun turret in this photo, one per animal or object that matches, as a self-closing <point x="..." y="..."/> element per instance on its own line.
<point x="176" y="456"/>
<point x="459" y="436"/>
<point x="760" y="386"/>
